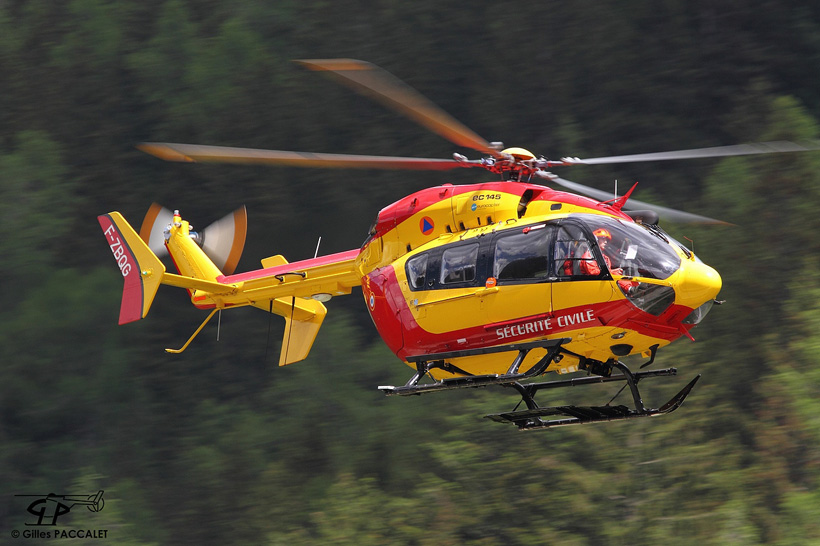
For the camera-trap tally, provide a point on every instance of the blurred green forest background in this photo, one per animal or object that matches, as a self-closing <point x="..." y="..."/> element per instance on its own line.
<point x="220" y="446"/>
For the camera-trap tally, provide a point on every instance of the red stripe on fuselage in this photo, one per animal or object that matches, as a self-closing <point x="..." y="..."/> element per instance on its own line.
<point x="406" y="337"/>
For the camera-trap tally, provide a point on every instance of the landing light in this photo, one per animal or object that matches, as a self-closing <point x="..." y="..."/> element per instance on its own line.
<point x="322" y="297"/>
<point x="652" y="298"/>
<point x="698" y="314"/>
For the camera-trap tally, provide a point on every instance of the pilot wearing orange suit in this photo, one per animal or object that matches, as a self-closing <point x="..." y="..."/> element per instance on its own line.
<point x="604" y="237"/>
<point x="588" y="264"/>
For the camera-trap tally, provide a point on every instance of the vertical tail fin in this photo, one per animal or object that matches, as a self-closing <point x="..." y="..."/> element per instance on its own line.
<point x="142" y="271"/>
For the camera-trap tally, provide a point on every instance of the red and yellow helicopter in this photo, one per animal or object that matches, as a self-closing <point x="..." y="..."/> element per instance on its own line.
<point x="492" y="283"/>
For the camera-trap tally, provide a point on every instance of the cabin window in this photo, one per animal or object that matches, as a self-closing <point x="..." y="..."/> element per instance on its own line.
<point x="417" y="271"/>
<point x="458" y="264"/>
<point x="522" y="256"/>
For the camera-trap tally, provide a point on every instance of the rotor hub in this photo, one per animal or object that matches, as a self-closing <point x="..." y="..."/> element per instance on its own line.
<point x="518" y="153"/>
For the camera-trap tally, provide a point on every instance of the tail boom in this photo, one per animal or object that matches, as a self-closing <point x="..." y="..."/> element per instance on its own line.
<point x="294" y="291"/>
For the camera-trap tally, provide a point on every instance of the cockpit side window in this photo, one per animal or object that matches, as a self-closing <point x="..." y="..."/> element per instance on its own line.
<point x="573" y="256"/>
<point x="631" y="249"/>
<point x="459" y="264"/>
<point x="640" y="251"/>
<point x="417" y="271"/>
<point x="523" y="255"/>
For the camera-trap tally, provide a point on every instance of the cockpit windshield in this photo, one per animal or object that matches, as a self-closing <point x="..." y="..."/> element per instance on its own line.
<point x="635" y="249"/>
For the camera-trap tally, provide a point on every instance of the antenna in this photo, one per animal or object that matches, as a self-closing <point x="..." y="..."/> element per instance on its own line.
<point x="690" y="242"/>
<point x="315" y="254"/>
<point x="270" y="320"/>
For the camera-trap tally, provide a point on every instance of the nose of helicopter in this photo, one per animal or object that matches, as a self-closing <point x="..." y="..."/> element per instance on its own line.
<point x="699" y="284"/>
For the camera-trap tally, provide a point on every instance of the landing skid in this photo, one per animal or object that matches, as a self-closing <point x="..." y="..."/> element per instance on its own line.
<point x="531" y="418"/>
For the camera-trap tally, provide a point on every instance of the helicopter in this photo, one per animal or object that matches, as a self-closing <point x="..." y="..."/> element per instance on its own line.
<point x="490" y="283"/>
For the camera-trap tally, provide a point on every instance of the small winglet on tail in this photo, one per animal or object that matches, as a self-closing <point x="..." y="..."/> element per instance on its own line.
<point x="303" y="318"/>
<point x="142" y="271"/>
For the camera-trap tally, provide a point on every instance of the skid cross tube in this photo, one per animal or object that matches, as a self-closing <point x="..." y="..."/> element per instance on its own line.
<point x="632" y="381"/>
<point x="425" y="363"/>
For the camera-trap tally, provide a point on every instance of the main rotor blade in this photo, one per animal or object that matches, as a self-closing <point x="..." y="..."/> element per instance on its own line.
<point x="774" y="147"/>
<point x="671" y="215"/>
<point x="388" y="89"/>
<point x="199" y="153"/>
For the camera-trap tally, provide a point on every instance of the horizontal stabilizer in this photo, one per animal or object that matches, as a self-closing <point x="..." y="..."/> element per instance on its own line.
<point x="274" y="261"/>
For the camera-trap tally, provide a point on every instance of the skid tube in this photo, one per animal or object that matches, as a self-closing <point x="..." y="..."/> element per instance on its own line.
<point x="531" y="418"/>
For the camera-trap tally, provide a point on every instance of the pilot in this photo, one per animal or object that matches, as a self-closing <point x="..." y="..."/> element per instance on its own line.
<point x="604" y="237"/>
<point x="587" y="264"/>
